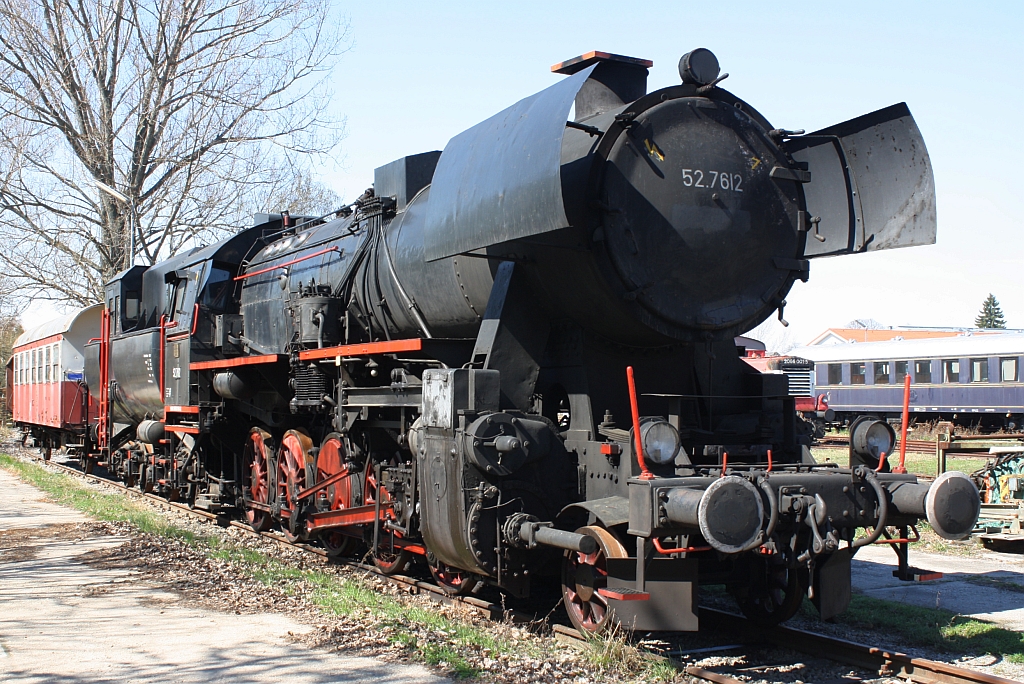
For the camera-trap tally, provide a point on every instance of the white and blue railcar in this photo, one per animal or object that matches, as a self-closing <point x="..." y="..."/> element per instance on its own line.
<point x="969" y="379"/>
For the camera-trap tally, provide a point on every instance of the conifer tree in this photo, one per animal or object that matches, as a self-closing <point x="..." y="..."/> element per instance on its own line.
<point x="991" y="315"/>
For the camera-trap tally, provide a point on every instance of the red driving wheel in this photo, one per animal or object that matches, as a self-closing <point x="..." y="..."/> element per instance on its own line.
<point x="291" y="479"/>
<point x="583" y="575"/>
<point x="329" y="462"/>
<point x="256" y="482"/>
<point x="453" y="581"/>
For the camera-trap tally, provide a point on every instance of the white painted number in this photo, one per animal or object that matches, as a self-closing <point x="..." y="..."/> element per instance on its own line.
<point x="695" y="178"/>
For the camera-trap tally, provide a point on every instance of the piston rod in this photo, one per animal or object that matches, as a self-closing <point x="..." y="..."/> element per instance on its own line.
<point x="535" y="533"/>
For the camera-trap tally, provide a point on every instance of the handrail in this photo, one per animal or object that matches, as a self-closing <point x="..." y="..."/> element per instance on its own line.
<point x="163" y="343"/>
<point x="901" y="468"/>
<point x="645" y="474"/>
<point x="686" y="549"/>
<point x="285" y="264"/>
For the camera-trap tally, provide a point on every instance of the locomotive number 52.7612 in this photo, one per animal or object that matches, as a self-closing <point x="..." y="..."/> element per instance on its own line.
<point x="712" y="179"/>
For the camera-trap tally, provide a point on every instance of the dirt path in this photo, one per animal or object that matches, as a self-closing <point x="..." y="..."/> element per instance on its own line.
<point x="62" y="619"/>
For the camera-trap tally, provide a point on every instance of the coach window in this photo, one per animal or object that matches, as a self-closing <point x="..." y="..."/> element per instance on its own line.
<point x="1008" y="369"/>
<point x="33" y="366"/>
<point x="923" y="372"/>
<point x="835" y="374"/>
<point x="46" y="364"/>
<point x="881" y="372"/>
<point x="979" y="370"/>
<point x="902" y="370"/>
<point x="56" y="363"/>
<point x="951" y="370"/>
<point x="857" y="373"/>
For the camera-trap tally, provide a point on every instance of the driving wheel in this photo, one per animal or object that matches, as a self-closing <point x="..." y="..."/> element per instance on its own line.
<point x="256" y="478"/>
<point x="453" y="581"/>
<point x="330" y="461"/>
<point x="388" y="555"/>
<point x="583" y="575"/>
<point x="291" y="479"/>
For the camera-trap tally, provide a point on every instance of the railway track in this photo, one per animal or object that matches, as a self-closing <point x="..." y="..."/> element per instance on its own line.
<point x="883" y="662"/>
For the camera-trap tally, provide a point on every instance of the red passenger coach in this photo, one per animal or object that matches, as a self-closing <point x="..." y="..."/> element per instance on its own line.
<point x="46" y="389"/>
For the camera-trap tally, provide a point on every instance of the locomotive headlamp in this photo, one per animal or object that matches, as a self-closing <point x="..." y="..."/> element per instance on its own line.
<point x="660" y="440"/>
<point x="869" y="439"/>
<point x="699" y="67"/>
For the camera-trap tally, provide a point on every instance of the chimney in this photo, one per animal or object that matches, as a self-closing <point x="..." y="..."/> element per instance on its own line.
<point x="616" y="81"/>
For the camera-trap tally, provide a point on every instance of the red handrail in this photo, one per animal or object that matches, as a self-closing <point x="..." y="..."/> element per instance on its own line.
<point x="769" y="461"/>
<point x="901" y="468"/>
<point x="104" y="423"/>
<point x="645" y="474"/>
<point x="287" y="263"/>
<point x="163" y="343"/>
<point x="668" y="552"/>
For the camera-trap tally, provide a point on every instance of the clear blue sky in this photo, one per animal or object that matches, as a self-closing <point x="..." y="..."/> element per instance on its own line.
<point x="419" y="73"/>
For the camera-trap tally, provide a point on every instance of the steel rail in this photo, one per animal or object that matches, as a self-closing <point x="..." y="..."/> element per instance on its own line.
<point x="882" y="661"/>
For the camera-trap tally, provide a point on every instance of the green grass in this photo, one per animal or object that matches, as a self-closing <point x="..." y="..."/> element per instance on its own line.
<point x="330" y="593"/>
<point x="335" y="595"/>
<point x="934" y="628"/>
<point x="67" y="491"/>
<point x="919" y="464"/>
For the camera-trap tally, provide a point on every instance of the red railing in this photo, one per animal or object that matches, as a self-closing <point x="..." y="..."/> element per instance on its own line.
<point x="645" y="474"/>
<point x="287" y="263"/>
<point x="103" y="425"/>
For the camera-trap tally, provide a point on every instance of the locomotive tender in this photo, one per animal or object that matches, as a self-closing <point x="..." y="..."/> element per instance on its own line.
<point x="515" y="359"/>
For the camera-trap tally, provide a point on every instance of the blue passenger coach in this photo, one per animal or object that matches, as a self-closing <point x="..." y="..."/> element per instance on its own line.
<point x="970" y="379"/>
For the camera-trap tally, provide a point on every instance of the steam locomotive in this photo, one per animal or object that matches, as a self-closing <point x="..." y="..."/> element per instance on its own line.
<point x="515" y="359"/>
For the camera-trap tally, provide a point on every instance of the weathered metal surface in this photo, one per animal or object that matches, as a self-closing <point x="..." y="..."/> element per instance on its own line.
<point x="871" y="184"/>
<point x="500" y="180"/>
<point x="134" y="363"/>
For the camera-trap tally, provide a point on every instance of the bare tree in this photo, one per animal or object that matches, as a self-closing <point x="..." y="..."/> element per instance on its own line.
<point x="195" y="111"/>
<point x="777" y="339"/>
<point x="302" y="194"/>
